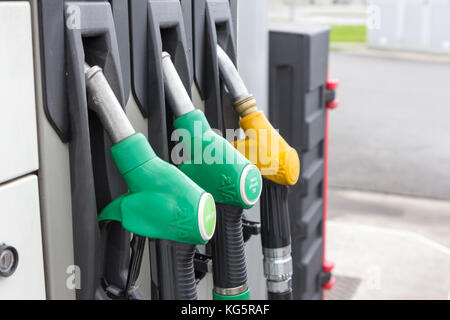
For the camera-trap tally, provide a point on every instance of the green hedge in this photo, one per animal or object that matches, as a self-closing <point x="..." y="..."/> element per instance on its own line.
<point x="348" y="34"/>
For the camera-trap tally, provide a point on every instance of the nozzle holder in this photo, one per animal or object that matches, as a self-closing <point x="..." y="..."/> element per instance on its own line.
<point x="156" y="26"/>
<point x="72" y="32"/>
<point x="55" y="18"/>
<point x="215" y="24"/>
<point x="167" y="25"/>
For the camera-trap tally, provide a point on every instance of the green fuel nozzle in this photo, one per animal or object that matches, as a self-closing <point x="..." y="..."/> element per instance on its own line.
<point x="163" y="203"/>
<point x="210" y="160"/>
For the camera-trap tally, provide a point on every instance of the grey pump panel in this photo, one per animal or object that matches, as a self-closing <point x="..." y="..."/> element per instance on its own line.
<point x="298" y="75"/>
<point x="72" y="33"/>
<point x="214" y="23"/>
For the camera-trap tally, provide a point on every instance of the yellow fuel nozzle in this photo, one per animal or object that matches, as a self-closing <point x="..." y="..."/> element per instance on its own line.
<point x="263" y="145"/>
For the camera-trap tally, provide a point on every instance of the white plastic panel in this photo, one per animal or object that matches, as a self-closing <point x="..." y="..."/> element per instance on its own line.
<point x="20" y="227"/>
<point x="18" y="138"/>
<point x="417" y="25"/>
<point x="440" y="26"/>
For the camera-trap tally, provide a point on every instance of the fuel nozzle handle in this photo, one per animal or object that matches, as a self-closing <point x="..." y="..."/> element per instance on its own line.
<point x="163" y="203"/>
<point x="216" y="166"/>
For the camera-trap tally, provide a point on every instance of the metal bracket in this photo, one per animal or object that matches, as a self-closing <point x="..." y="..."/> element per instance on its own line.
<point x="250" y="228"/>
<point x="202" y="264"/>
<point x="214" y="23"/>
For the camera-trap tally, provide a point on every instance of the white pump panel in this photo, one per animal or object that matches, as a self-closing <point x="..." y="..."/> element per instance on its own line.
<point x="18" y="137"/>
<point x="20" y="220"/>
<point x="20" y="227"/>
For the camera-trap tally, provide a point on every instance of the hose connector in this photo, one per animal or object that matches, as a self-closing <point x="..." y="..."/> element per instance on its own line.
<point x="245" y="106"/>
<point x="277" y="265"/>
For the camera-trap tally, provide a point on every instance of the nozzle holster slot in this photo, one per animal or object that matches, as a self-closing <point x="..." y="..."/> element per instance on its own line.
<point x="56" y="17"/>
<point x="166" y="29"/>
<point x="215" y="23"/>
<point x="72" y="33"/>
<point x="158" y="26"/>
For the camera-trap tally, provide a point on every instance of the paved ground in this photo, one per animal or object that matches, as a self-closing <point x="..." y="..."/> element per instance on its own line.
<point x="390" y="136"/>
<point x="388" y="247"/>
<point x="392" y="131"/>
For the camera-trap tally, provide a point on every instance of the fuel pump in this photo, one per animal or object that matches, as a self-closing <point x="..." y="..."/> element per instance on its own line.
<point x="236" y="184"/>
<point x="163" y="203"/>
<point x="280" y="166"/>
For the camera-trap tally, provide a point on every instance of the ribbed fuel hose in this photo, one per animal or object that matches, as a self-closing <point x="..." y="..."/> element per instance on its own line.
<point x="186" y="286"/>
<point x="275" y="230"/>
<point x="228" y="252"/>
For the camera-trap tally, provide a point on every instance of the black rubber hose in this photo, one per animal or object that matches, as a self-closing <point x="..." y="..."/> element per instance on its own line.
<point x="174" y="278"/>
<point x="227" y="248"/>
<point x="137" y="251"/>
<point x="275" y="229"/>
<point x="280" y="296"/>
<point x="185" y="274"/>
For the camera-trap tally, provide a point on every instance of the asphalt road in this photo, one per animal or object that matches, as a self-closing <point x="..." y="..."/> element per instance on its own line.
<point x="391" y="133"/>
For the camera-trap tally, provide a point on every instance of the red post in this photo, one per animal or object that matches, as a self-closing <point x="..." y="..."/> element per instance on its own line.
<point x="332" y="85"/>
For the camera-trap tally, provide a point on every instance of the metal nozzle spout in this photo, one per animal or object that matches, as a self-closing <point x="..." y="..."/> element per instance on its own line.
<point x="176" y="94"/>
<point x="104" y="102"/>
<point x="230" y="76"/>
